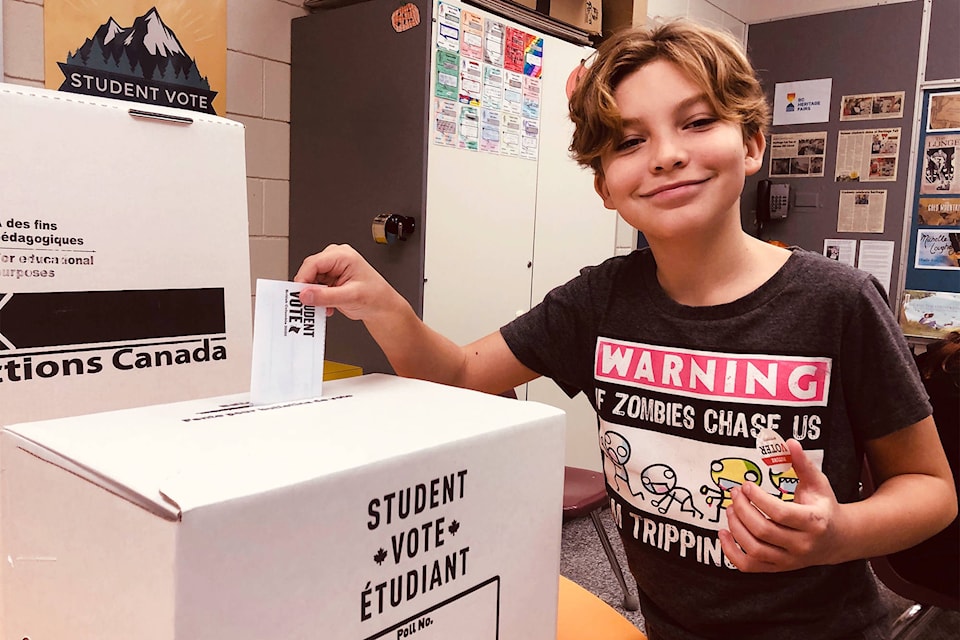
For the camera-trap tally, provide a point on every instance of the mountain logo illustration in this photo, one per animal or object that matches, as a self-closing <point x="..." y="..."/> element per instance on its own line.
<point x="144" y="62"/>
<point x="791" y="97"/>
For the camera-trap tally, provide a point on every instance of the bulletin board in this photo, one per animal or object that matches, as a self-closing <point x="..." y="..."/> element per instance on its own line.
<point x="860" y="67"/>
<point x="930" y="304"/>
<point x="916" y="58"/>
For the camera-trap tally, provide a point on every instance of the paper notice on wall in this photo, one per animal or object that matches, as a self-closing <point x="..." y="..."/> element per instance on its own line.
<point x="800" y="102"/>
<point x="510" y="135"/>
<point x="531" y="98"/>
<point x="447" y="80"/>
<point x="492" y="97"/>
<point x="288" y="345"/>
<point x="512" y="92"/>
<point x="493" y="35"/>
<point x="445" y="113"/>
<point x="490" y="130"/>
<point x="471" y="35"/>
<point x="530" y="139"/>
<point x="471" y="82"/>
<point x="876" y="258"/>
<point x="513" y="50"/>
<point x="862" y="211"/>
<point x="468" y="129"/>
<point x="448" y="27"/>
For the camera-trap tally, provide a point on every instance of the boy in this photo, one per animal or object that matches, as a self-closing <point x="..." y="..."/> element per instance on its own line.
<point x="692" y="350"/>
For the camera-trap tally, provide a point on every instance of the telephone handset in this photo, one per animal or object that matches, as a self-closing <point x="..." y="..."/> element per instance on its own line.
<point x="772" y="202"/>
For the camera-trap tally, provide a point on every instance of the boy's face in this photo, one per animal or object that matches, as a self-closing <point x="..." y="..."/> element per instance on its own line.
<point x="679" y="170"/>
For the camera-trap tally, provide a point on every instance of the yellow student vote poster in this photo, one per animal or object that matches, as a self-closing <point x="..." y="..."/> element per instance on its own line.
<point x="171" y="53"/>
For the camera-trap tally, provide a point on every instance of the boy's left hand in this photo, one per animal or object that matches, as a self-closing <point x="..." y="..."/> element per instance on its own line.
<point x="794" y="534"/>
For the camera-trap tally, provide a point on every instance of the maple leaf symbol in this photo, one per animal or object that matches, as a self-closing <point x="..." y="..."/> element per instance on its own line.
<point x="453" y="528"/>
<point x="380" y="556"/>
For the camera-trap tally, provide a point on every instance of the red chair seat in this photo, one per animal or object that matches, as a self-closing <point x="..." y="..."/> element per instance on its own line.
<point x="584" y="491"/>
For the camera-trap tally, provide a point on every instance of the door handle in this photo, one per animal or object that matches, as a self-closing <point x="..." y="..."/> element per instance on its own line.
<point x="389" y="227"/>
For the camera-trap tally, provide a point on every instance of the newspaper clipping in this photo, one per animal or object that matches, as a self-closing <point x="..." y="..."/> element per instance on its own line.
<point x="872" y="106"/>
<point x="868" y="155"/>
<point x="861" y="211"/>
<point x="798" y="155"/>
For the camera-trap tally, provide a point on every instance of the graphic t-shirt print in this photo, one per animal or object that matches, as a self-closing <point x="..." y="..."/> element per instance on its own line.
<point x="678" y="430"/>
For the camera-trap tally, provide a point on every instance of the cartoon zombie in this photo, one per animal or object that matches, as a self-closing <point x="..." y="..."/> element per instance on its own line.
<point x="661" y="480"/>
<point x="616" y="449"/>
<point x="786" y="484"/>
<point x="728" y="473"/>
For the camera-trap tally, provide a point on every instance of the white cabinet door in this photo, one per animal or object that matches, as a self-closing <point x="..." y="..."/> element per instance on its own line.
<point x="573" y="230"/>
<point x="479" y="241"/>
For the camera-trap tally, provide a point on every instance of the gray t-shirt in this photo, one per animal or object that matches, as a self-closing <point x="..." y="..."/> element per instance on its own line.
<point x="681" y="393"/>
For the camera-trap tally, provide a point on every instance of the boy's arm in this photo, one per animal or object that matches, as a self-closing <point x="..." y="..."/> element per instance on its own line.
<point x="914" y="499"/>
<point x="414" y="350"/>
<point x="914" y="488"/>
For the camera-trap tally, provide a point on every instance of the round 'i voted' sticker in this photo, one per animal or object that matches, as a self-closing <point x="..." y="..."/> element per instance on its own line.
<point x="773" y="451"/>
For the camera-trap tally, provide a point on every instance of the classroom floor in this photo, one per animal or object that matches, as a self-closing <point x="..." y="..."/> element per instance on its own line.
<point x="582" y="560"/>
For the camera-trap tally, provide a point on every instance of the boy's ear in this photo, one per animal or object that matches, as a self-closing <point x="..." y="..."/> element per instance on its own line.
<point x="600" y="186"/>
<point x="754" y="147"/>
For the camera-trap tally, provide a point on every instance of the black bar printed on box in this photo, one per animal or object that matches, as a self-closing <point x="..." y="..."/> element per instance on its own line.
<point x="50" y="319"/>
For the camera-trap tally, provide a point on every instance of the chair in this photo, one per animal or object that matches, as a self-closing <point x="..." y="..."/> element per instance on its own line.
<point x="926" y="574"/>
<point x="583" y="616"/>
<point x="928" y="603"/>
<point x="585" y="494"/>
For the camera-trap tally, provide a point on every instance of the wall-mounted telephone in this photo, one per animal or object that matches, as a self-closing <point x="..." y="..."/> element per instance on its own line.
<point x="772" y="202"/>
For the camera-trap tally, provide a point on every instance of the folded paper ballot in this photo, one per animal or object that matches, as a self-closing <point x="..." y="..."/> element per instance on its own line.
<point x="288" y="342"/>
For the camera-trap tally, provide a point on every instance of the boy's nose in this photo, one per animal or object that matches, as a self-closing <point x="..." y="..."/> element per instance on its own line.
<point x="668" y="154"/>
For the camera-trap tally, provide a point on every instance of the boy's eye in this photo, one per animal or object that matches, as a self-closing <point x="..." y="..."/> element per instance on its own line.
<point x="700" y="123"/>
<point x="628" y="143"/>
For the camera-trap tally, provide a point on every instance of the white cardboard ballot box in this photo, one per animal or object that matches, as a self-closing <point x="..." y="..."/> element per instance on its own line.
<point x="124" y="256"/>
<point x="388" y="508"/>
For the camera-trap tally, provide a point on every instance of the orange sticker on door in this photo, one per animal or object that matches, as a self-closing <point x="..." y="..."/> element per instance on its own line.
<point x="406" y="17"/>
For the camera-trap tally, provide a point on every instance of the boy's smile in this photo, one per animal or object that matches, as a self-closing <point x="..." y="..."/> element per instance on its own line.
<point x="678" y="169"/>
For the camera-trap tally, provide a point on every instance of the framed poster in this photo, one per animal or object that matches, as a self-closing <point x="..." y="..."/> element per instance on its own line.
<point x="943" y="113"/>
<point x="163" y="52"/>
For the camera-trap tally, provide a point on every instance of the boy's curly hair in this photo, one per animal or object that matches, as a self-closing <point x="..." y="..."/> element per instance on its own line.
<point x="713" y="60"/>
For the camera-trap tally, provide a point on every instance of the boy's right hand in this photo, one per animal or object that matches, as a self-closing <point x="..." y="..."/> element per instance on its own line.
<point x="353" y="287"/>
